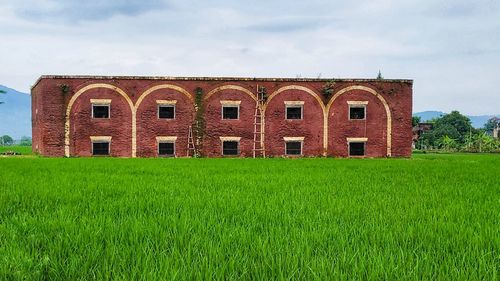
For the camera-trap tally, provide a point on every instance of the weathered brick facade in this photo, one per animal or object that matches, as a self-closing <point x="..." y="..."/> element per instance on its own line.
<point x="63" y="123"/>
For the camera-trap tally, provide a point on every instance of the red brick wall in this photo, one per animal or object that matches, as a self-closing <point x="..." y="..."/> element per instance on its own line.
<point x="278" y="127"/>
<point x="216" y="127"/>
<point x="374" y="127"/>
<point x="48" y="122"/>
<point x="118" y="126"/>
<point x="49" y="106"/>
<point x="149" y="126"/>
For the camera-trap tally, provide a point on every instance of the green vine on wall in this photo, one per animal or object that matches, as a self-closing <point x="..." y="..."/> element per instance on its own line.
<point x="64" y="89"/>
<point x="327" y="90"/>
<point x="199" y="122"/>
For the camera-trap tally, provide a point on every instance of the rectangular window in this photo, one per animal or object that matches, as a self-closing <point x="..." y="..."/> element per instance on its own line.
<point x="230" y="112"/>
<point x="293" y="148"/>
<point x="100" y="111"/>
<point x="293" y="112"/>
<point x="166" y="111"/>
<point x="357" y="112"/>
<point x="356" y="149"/>
<point x="166" y="149"/>
<point x="229" y="148"/>
<point x="100" y="148"/>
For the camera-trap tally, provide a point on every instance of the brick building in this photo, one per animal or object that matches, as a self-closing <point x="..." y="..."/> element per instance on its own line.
<point x="152" y="116"/>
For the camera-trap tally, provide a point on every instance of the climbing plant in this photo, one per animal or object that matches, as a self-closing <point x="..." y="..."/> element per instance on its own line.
<point x="64" y="88"/>
<point x="327" y="89"/>
<point x="199" y="122"/>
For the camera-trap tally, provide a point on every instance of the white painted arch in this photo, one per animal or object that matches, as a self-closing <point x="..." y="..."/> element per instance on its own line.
<point x="230" y="87"/>
<point x="78" y="94"/>
<point x="133" y="108"/>
<point x="377" y="95"/>
<point x="311" y="93"/>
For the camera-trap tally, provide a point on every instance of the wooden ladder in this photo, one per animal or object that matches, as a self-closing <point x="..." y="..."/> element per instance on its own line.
<point x="190" y="147"/>
<point x="258" y="124"/>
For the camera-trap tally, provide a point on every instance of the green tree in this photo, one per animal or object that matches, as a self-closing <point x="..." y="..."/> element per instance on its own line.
<point x="485" y="142"/>
<point x="447" y="143"/>
<point x="491" y="124"/>
<point x="379" y="76"/>
<point x="25" y="141"/>
<point x="6" y="140"/>
<point x="415" y="120"/>
<point x="433" y="137"/>
<point x="470" y="143"/>
<point x="459" y="122"/>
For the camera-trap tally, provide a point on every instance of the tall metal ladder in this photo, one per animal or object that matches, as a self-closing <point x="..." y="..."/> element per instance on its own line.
<point x="259" y="124"/>
<point x="190" y="147"/>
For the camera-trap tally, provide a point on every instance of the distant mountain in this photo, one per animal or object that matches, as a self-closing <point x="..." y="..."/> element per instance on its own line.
<point x="15" y="113"/>
<point x="477" y="121"/>
<point x="428" y="115"/>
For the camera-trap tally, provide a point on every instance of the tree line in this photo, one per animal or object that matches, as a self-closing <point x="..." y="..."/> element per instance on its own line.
<point x="454" y="132"/>
<point x="7" y="140"/>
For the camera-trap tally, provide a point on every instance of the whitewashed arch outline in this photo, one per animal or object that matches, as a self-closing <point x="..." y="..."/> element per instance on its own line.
<point x="159" y="87"/>
<point x="373" y="92"/>
<point x="310" y="92"/>
<point x="230" y="87"/>
<point x="78" y="94"/>
<point x="133" y="108"/>
<point x="151" y="90"/>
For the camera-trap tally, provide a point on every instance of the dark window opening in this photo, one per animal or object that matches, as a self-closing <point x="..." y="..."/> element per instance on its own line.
<point x="357" y="113"/>
<point x="230" y="148"/>
<point x="166" y="112"/>
<point x="100" y="111"/>
<point x="100" y="148"/>
<point x="356" y="149"/>
<point x="293" y="148"/>
<point x="166" y="148"/>
<point x="294" y="112"/>
<point x="230" y="112"/>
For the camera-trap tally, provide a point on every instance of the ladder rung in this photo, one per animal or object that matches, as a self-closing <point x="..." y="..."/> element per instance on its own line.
<point x="258" y="133"/>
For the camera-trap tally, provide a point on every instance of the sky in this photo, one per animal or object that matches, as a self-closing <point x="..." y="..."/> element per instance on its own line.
<point x="451" y="49"/>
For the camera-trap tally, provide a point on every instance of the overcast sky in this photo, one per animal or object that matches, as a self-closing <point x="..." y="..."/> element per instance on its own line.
<point x="450" y="48"/>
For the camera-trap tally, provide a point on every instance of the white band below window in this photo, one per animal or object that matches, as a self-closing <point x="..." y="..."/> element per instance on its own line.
<point x="100" y="138"/>
<point x="230" y="138"/>
<point x="293" y="138"/>
<point x="166" y="139"/>
<point x="354" y="102"/>
<point x="166" y="102"/>
<point x="294" y="102"/>
<point x="230" y="102"/>
<point x="100" y="101"/>
<point x="357" y="139"/>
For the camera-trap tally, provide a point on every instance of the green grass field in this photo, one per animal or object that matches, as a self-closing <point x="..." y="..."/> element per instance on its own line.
<point x="433" y="217"/>
<point x="23" y="150"/>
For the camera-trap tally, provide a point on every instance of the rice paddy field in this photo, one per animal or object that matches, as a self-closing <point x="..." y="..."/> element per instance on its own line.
<point x="432" y="217"/>
<point x="21" y="150"/>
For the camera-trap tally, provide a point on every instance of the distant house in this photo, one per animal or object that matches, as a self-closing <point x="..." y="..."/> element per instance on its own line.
<point x="419" y="129"/>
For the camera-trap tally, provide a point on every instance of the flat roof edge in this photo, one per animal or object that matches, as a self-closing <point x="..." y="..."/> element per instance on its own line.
<point x="201" y="78"/>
